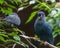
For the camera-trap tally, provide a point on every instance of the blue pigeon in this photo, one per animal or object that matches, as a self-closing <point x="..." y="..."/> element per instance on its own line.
<point x="42" y="28"/>
<point x="13" y="19"/>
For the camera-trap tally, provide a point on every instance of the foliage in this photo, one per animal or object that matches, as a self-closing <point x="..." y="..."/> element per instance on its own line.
<point x="31" y="17"/>
<point x="54" y="20"/>
<point x="11" y="35"/>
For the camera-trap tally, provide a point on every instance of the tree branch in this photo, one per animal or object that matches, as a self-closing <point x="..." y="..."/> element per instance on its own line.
<point x="3" y="46"/>
<point x="23" y="33"/>
<point x="37" y="39"/>
<point x="14" y="45"/>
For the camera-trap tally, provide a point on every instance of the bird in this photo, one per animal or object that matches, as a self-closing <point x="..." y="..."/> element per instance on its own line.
<point x="42" y="28"/>
<point x="11" y="20"/>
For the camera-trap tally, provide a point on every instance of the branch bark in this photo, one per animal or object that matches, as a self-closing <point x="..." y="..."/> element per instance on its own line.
<point x="14" y="45"/>
<point x="23" y="33"/>
<point x="37" y="39"/>
<point x="3" y="46"/>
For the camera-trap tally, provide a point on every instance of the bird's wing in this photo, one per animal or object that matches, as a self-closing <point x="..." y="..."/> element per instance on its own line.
<point x="47" y="29"/>
<point x="37" y="27"/>
<point x="47" y="33"/>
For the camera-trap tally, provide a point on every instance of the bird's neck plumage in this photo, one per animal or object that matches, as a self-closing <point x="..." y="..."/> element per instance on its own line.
<point x="43" y="19"/>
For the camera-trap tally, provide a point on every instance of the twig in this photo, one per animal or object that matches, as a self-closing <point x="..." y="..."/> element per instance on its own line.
<point x="31" y="43"/>
<point x="27" y="39"/>
<point x="37" y="39"/>
<point x="3" y="46"/>
<point x="50" y="45"/>
<point x="14" y="45"/>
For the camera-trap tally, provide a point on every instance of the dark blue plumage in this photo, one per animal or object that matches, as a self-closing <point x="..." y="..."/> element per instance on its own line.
<point x="13" y="18"/>
<point x="42" y="28"/>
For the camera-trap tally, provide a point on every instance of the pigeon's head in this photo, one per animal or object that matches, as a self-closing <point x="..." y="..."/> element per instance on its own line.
<point x="41" y="14"/>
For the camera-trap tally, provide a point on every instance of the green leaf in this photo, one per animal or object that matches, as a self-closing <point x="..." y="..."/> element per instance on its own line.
<point x="16" y="1"/>
<point x="58" y="43"/>
<point x="31" y="17"/>
<point x="22" y="44"/>
<point x="9" y="11"/>
<point x="3" y="10"/>
<point x="11" y="1"/>
<point x="11" y="6"/>
<point x="2" y="39"/>
<point x="9" y="40"/>
<point x="1" y="1"/>
<point x="16" y="37"/>
<point x="42" y="5"/>
<point x="3" y="35"/>
<point x="13" y="33"/>
<point x="57" y="30"/>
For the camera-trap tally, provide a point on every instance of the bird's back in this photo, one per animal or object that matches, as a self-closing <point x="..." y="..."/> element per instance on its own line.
<point x="13" y="18"/>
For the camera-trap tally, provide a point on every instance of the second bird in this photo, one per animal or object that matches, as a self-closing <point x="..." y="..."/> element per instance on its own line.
<point x="42" y="28"/>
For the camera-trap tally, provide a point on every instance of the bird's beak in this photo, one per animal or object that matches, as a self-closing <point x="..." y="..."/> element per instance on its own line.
<point x="40" y="17"/>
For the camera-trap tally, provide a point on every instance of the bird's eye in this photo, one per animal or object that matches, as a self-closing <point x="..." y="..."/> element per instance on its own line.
<point x="39" y="15"/>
